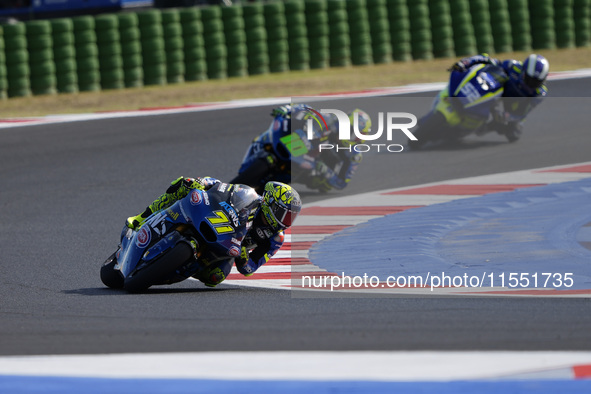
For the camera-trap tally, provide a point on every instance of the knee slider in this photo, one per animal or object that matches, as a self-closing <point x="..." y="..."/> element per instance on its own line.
<point x="215" y="277"/>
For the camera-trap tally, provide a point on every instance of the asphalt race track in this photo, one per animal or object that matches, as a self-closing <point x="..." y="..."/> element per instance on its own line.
<point x="67" y="189"/>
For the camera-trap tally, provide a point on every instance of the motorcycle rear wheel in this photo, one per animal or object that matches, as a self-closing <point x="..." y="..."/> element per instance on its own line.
<point x="162" y="267"/>
<point x="431" y="127"/>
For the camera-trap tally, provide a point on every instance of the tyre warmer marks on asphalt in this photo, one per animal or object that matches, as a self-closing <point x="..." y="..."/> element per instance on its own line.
<point x="325" y="223"/>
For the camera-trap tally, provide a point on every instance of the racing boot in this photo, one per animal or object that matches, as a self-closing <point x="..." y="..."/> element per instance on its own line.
<point x="135" y="222"/>
<point x="178" y="189"/>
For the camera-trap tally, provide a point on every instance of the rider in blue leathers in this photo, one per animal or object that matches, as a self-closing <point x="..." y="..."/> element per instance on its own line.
<point x="278" y="207"/>
<point x="324" y="170"/>
<point x="525" y="80"/>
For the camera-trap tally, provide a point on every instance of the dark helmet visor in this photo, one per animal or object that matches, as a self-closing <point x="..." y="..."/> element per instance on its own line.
<point x="532" y="83"/>
<point x="283" y="215"/>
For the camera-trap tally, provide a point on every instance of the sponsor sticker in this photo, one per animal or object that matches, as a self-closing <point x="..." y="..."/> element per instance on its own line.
<point x="196" y="198"/>
<point x="143" y="237"/>
<point x="234" y="251"/>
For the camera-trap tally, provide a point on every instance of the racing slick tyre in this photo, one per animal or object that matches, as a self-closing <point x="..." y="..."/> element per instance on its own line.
<point x="162" y="267"/>
<point x="513" y="132"/>
<point x="109" y="276"/>
<point x="428" y="129"/>
<point x="253" y="175"/>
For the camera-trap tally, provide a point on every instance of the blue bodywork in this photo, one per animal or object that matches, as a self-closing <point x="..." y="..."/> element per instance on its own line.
<point x="471" y="97"/>
<point x="212" y="222"/>
<point x="287" y="152"/>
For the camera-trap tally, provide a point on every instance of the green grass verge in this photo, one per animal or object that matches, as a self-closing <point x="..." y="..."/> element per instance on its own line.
<point x="269" y="85"/>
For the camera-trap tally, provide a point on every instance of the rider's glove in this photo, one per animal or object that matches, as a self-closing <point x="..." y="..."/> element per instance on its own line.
<point x="468" y="62"/>
<point x="207" y="182"/>
<point x="189" y="184"/>
<point x="322" y="169"/>
<point x="241" y="263"/>
<point x="458" y="66"/>
<point x="321" y="184"/>
<point x="320" y="180"/>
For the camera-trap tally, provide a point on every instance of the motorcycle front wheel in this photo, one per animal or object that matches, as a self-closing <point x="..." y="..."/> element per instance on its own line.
<point x="162" y="267"/>
<point x="109" y="276"/>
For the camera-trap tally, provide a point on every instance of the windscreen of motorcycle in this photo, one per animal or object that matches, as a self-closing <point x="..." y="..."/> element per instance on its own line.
<point x="245" y="201"/>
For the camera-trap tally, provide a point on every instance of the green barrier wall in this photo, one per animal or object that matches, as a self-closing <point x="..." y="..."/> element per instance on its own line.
<point x="131" y="50"/>
<point x="234" y="31"/>
<point x="3" y="80"/>
<point x="318" y="33"/>
<point x="158" y="47"/>
<point x="398" y="16"/>
<point x="256" y="39"/>
<point x="297" y="35"/>
<point x="18" y="72"/>
<point x="582" y="19"/>
<point x="379" y="28"/>
<point x="86" y="54"/>
<point x="64" y="55"/>
<point x="173" y="46"/>
<point x="339" y="43"/>
<point x="193" y="44"/>
<point x="108" y="41"/>
<point x="276" y="25"/>
<point x="152" y="47"/>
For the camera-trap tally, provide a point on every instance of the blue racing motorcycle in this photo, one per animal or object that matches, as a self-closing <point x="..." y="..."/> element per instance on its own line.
<point x="182" y="241"/>
<point x="282" y="153"/>
<point x="471" y="104"/>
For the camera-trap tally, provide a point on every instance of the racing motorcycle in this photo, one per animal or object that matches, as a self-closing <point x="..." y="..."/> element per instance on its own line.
<point x="471" y="104"/>
<point x="282" y="153"/>
<point x="173" y="244"/>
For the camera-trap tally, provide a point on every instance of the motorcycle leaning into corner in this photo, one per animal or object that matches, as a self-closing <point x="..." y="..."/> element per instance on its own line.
<point x="289" y="152"/>
<point x="475" y="101"/>
<point x="182" y="241"/>
<point x="270" y="155"/>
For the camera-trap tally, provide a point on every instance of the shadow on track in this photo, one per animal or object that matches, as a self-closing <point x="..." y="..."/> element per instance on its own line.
<point x="102" y="291"/>
<point x="458" y="146"/>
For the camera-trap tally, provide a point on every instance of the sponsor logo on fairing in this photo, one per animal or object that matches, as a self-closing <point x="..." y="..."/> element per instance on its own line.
<point x="234" y="251"/>
<point x="196" y="198"/>
<point x="232" y="212"/>
<point x="143" y="237"/>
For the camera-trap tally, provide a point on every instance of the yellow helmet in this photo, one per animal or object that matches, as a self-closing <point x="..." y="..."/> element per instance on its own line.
<point x="281" y="205"/>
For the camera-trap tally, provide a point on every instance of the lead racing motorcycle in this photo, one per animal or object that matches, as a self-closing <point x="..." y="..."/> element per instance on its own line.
<point x="182" y="241"/>
<point x="472" y="103"/>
